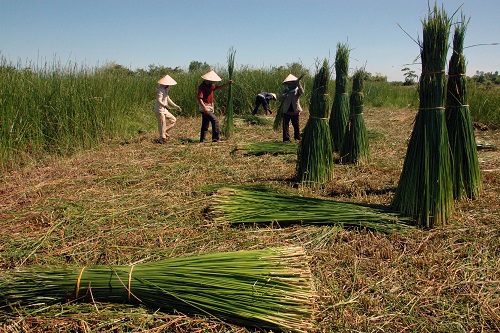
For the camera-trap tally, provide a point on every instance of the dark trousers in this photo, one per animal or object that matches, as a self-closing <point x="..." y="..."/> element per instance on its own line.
<point x="206" y="120"/>
<point x="286" y="127"/>
<point x="260" y="100"/>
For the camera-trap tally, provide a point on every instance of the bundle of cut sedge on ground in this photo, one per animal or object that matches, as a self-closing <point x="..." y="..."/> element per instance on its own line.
<point x="263" y="148"/>
<point x="268" y="288"/>
<point x="263" y="205"/>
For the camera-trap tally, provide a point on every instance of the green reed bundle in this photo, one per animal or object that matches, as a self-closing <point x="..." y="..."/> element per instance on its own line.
<point x="272" y="148"/>
<point x="268" y="288"/>
<point x="465" y="167"/>
<point x="261" y="205"/>
<point x="425" y="185"/>
<point x="228" y="125"/>
<point x="355" y="146"/>
<point x="315" y="154"/>
<point x="278" y="119"/>
<point x="340" y="108"/>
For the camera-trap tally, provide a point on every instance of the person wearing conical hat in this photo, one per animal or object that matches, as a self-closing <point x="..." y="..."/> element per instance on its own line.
<point x="291" y="106"/>
<point x="263" y="98"/>
<point x="206" y="104"/>
<point x="164" y="103"/>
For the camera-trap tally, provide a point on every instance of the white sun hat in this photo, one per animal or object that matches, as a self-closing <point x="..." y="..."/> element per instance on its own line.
<point x="211" y="76"/>
<point x="290" y="78"/>
<point x="167" y="81"/>
<point x="274" y="95"/>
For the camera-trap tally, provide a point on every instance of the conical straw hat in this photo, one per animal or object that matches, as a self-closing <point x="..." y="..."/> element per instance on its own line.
<point x="290" y="78"/>
<point x="167" y="81"/>
<point x="211" y="76"/>
<point x="274" y="95"/>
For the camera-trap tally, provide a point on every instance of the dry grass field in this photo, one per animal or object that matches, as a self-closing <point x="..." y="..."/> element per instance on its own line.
<point x="141" y="201"/>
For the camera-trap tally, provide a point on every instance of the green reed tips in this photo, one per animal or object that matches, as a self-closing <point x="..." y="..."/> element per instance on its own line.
<point x="268" y="288"/>
<point x="228" y="124"/>
<point x="425" y="185"/>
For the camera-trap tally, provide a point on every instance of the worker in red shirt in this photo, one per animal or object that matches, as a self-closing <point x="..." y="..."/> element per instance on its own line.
<point x="206" y="104"/>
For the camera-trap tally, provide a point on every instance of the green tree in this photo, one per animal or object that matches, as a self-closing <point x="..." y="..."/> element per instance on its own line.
<point x="198" y="66"/>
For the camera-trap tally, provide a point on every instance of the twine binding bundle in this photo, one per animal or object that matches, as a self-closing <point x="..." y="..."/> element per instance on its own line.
<point x="269" y="288"/>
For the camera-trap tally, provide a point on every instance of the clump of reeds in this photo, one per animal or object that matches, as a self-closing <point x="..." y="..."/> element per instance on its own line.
<point x="340" y="108"/>
<point x="425" y="186"/>
<point x="268" y="288"/>
<point x="261" y="205"/>
<point x="465" y="166"/>
<point x="355" y="146"/>
<point x="228" y="124"/>
<point x="315" y="154"/>
<point x="262" y="148"/>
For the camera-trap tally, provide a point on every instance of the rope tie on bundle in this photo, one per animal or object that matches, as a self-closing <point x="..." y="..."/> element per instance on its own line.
<point x="433" y="108"/>
<point x="435" y="72"/>
<point x="78" y="282"/>
<point x="129" y="280"/>
<point x="320" y="118"/>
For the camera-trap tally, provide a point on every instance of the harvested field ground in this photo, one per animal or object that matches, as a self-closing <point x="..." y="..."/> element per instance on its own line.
<point x="140" y="201"/>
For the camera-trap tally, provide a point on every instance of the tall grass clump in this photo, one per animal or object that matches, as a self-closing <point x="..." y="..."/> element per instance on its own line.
<point x="315" y="154"/>
<point x="465" y="166"/>
<point x="340" y="108"/>
<point x="355" y="146"/>
<point x="228" y="123"/>
<point x="58" y="109"/>
<point x="269" y="288"/>
<point x="425" y="186"/>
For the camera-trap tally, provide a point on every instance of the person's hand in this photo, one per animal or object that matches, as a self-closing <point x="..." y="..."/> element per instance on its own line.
<point x="179" y="109"/>
<point x="231" y="81"/>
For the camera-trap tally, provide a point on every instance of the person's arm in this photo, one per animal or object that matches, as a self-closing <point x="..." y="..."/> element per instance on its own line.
<point x="300" y="91"/>
<point x="171" y="103"/>
<point x="224" y="85"/>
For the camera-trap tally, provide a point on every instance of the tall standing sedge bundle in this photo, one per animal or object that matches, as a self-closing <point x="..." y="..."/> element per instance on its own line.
<point x="425" y="189"/>
<point x="315" y="154"/>
<point x="355" y="147"/>
<point x="228" y="128"/>
<point x="465" y="167"/>
<point x="340" y="108"/>
<point x="260" y="205"/>
<point x="268" y="288"/>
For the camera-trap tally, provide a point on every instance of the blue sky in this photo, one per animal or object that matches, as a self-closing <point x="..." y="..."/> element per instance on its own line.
<point x="265" y="33"/>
